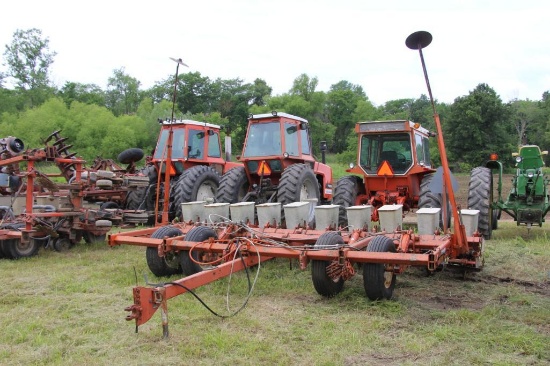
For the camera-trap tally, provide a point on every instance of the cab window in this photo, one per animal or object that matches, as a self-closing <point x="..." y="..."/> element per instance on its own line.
<point x="214" y="150"/>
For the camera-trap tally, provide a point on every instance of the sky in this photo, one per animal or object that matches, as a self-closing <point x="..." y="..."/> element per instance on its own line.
<point x="504" y="44"/>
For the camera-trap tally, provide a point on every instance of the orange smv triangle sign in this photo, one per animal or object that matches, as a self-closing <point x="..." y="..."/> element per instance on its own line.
<point x="385" y="169"/>
<point x="264" y="169"/>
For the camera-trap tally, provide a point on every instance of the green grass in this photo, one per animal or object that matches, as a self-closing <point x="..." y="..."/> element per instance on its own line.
<point x="338" y="169"/>
<point x="67" y="308"/>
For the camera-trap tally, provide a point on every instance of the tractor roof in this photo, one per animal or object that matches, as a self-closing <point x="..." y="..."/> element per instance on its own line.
<point x="276" y="114"/>
<point x="389" y="126"/>
<point x="188" y="122"/>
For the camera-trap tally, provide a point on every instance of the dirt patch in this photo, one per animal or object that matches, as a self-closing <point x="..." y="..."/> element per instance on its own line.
<point x="461" y="195"/>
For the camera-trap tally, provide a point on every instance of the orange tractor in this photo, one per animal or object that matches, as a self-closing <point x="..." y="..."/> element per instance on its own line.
<point x="188" y="155"/>
<point x="393" y="167"/>
<point x="278" y="165"/>
<point x="186" y="165"/>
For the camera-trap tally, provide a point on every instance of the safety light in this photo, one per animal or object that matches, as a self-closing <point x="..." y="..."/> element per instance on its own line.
<point x="416" y="126"/>
<point x="493" y="157"/>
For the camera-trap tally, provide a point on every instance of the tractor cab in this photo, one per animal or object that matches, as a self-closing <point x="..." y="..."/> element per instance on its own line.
<point x="193" y="143"/>
<point x="277" y="139"/>
<point x="394" y="167"/>
<point x="395" y="145"/>
<point x="279" y="165"/>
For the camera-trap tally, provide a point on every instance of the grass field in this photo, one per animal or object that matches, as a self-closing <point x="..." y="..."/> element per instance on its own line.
<point x="67" y="308"/>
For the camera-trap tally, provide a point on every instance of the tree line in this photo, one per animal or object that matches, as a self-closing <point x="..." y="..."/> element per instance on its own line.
<point x="105" y="122"/>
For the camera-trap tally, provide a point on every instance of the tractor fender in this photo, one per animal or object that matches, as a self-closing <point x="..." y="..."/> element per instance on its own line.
<point x="494" y="165"/>
<point x="323" y="173"/>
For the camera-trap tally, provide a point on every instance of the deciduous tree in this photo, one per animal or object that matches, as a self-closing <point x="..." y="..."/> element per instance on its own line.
<point x="28" y="59"/>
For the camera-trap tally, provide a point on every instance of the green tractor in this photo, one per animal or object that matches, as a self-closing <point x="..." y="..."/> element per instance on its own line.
<point x="527" y="202"/>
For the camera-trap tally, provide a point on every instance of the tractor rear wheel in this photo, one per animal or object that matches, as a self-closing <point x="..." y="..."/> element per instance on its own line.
<point x="324" y="284"/>
<point x="197" y="234"/>
<point x="378" y="282"/>
<point x="480" y="197"/>
<point x="345" y="195"/>
<point x="143" y="198"/>
<point x="197" y="183"/>
<point x="233" y="186"/>
<point x="428" y="199"/>
<point x="298" y="184"/>
<point x="167" y="265"/>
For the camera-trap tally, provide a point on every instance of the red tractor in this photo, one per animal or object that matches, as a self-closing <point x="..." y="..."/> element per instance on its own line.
<point x="393" y="167"/>
<point x="278" y="164"/>
<point x="189" y="155"/>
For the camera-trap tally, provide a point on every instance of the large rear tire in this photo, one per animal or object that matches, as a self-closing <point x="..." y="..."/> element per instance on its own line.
<point x="428" y="199"/>
<point x="233" y="186"/>
<point x="345" y="195"/>
<point x="197" y="234"/>
<point x="169" y="264"/>
<point x="378" y="282"/>
<point x="143" y="198"/>
<point x="298" y="184"/>
<point x="480" y="197"/>
<point x="197" y="183"/>
<point x="324" y="284"/>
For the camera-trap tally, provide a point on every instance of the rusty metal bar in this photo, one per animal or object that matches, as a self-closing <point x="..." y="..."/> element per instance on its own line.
<point x="147" y="300"/>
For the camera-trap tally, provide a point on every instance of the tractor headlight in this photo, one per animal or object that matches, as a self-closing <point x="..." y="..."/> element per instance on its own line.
<point x="530" y="174"/>
<point x="518" y="159"/>
<point x="351" y="165"/>
<point x="285" y="155"/>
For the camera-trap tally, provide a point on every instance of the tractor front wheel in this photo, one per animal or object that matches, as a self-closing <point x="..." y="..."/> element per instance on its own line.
<point x="325" y="284"/>
<point x="378" y="282"/>
<point x="480" y="197"/>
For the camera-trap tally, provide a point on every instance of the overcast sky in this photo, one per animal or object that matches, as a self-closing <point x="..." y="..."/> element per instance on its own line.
<point x="505" y="44"/>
